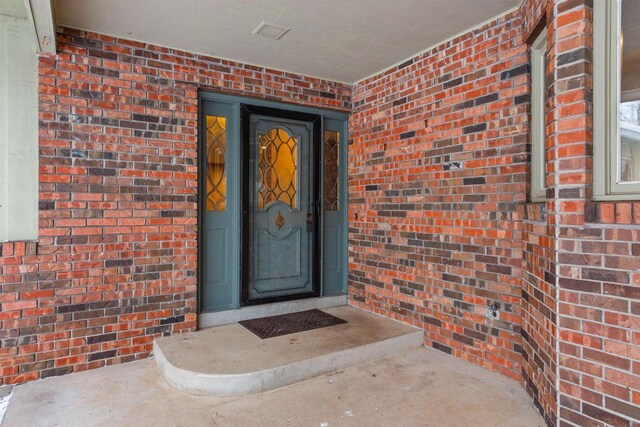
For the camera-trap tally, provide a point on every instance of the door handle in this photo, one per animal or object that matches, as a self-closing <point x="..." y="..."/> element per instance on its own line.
<point x="309" y="222"/>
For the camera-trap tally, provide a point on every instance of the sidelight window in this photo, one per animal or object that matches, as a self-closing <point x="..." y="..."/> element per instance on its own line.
<point x="216" y="173"/>
<point x="331" y="172"/>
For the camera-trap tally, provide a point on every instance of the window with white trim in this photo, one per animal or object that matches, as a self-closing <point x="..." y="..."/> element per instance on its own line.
<point x="616" y="99"/>
<point x="538" y="134"/>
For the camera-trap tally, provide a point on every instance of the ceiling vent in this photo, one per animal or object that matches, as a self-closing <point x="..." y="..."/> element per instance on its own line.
<point x="271" y="31"/>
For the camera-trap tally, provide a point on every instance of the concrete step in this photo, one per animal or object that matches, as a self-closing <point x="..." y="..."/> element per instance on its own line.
<point x="230" y="360"/>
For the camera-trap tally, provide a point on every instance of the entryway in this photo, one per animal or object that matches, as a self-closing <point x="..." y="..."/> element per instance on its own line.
<point x="273" y="206"/>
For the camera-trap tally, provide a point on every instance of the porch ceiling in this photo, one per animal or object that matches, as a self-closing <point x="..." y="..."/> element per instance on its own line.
<point x="341" y="40"/>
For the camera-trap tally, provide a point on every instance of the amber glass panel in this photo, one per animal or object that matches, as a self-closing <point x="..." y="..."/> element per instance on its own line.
<point x="331" y="155"/>
<point x="278" y="166"/>
<point x="216" y="173"/>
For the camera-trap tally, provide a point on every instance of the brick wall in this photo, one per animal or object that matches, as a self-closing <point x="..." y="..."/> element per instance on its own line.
<point x="539" y="317"/>
<point x="438" y="168"/>
<point x="539" y="290"/>
<point x="115" y="264"/>
<point x="533" y="12"/>
<point x="598" y="252"/>
<point x="424" y="171"/>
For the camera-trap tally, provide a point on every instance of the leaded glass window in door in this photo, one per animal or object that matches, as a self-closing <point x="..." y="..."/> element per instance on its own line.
<point x="278" y="168"/>
<point x="216" y="174"/>
<point x="331" y="153"/>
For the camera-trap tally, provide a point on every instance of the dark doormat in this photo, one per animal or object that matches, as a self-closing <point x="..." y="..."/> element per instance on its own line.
<point x="275" y="326"/>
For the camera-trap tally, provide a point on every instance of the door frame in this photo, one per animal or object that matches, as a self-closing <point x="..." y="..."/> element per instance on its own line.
<point x="246" y="111"/>
<point x="331" y="120"/>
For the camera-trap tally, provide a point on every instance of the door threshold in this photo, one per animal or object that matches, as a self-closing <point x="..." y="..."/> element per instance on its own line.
<point x="207" y="320"/>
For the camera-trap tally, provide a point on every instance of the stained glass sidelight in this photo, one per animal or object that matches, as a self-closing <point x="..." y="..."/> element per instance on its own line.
<point x="277" y="167"/>
<point x="216" y="174"/>
<point x="331" y="153"/>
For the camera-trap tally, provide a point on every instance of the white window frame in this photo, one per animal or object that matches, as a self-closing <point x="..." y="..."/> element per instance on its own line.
<point x="538" y="110"/>
<point x="606" y="100"/>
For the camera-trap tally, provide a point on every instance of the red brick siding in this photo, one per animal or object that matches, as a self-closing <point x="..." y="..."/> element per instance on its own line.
<point x="115" y="264"/>
<point x="539" y="319"/>
<point x="539" y="290"/>
<point x="438" y="167"/>
<point x="599" y="262"/>
<point x="532" y="12"/>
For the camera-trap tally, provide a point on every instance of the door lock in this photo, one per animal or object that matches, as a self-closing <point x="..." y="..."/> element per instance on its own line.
<point x="309" y="222"/>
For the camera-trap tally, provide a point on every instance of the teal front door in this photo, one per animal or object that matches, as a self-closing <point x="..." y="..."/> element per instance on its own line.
<point x="280" y="206"/>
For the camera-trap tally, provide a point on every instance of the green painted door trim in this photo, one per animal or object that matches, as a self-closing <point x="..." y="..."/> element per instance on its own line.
<point x="335" y="120"/>
<point x="232" y="99"/>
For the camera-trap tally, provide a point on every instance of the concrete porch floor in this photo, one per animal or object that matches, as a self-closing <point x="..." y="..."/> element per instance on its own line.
<point x="230" y="360"/>
<point x="421" y="387"/>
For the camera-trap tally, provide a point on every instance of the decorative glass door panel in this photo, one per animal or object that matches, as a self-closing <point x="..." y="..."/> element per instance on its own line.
<point x="331" y="172"/>
<point x="278" y="168"/>
<point x="215" y="172"/>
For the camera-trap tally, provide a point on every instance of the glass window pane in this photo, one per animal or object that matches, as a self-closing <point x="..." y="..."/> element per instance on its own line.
<point x="216" y="174"/>
<point x="628" y="149"/>
<point x="278" y="168"/>
<point x="331" y="160"/>
<point x="538" y="129"/>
